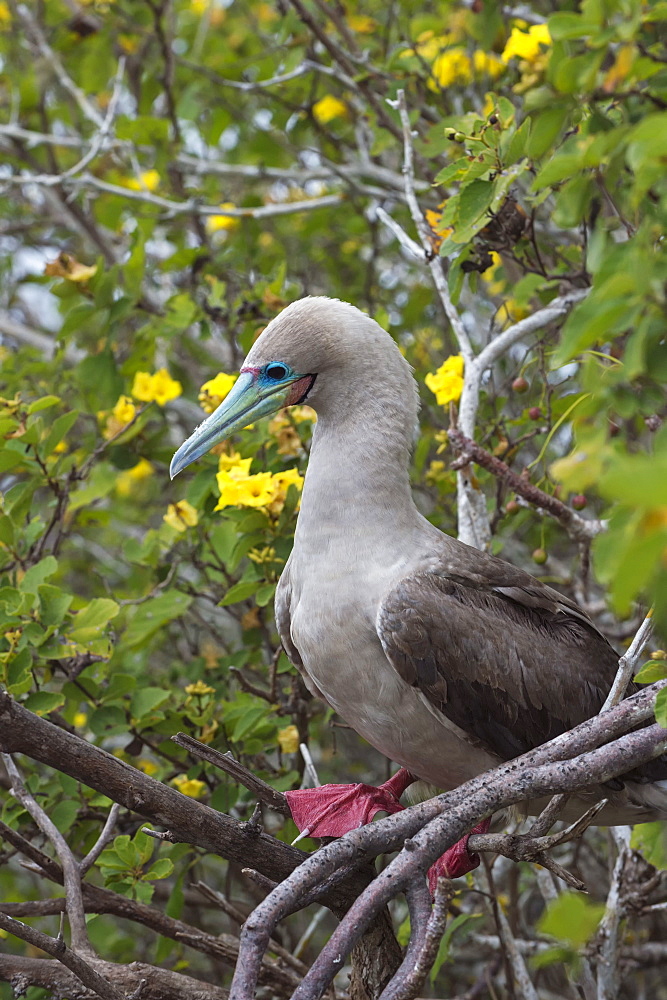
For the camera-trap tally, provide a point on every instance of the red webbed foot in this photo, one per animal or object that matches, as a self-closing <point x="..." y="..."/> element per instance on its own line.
<point x="332" y="810"/>
<point x="456" y="860"/>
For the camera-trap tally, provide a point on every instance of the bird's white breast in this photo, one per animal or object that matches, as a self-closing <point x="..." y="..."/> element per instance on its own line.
<point x="333" y="627"/>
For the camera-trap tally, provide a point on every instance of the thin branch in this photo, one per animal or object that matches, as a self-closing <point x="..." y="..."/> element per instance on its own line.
<point x="522" y="981"/>
<point x="105" y="837"/>
<point x="71" y="872"/>
<point x="425" y="235"/>
<point x="227" y="763"/>
<point x="579" y="528"/>
<point x="101" y="137"/>
<point x="58" y="949"/>
<point x="628" y="663"/>
<point x="609" y="939"/>
<point x="191" y="206"/>
<point x="50" y="57"/>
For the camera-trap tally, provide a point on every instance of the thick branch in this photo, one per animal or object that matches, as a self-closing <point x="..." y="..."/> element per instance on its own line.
<point x="135" y="980"/>
<point x="189" y="821"/>
<point x="544" y="771"/>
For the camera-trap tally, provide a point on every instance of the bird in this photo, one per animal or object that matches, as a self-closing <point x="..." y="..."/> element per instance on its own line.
<point x="446" y="659"/>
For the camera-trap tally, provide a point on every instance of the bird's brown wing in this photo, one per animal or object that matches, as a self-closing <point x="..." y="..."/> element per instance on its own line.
<point x="509" y="661"/>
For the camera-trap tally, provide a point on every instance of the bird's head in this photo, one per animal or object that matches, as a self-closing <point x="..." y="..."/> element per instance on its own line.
<point x="309" y="342"/>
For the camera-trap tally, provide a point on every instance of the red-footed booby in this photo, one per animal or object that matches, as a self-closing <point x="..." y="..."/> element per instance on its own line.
<point x="444" y="658"/>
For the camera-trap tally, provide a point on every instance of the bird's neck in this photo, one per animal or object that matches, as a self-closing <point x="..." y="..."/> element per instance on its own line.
<point x="357" y="486"/>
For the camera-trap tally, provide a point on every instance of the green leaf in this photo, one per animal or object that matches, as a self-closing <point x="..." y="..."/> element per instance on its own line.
<point x="43" y="404"/>
<point x="474" y="200"/>
<point x="462" y="926"/>
<point x="661" y="708"/>
<point x="59" y="430"/>
<point x="89" y="622"/>
<point x="64" y="813"/>
<point x="650" y="839"/>
<point x="652" y="670"/>
<point x="162" y="868"/>
<point x="571" y="918"/>
<point x="240" y="592"/>
<point x="151" y="616"/>
<point x="37" y="574"/>
<point x="54" y="603"/>
<point x="546" y="127"/>
<point x="146" y="700"/>
<point x="43" y="702"/>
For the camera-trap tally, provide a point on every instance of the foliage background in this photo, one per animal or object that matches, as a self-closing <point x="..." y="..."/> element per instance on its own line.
<point x="173" y="173"/>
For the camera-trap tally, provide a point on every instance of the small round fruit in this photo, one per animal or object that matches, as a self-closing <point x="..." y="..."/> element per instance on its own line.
<point x="540" y="556"/>
<point x="535" y="413"/>
<point x="579" y="501"/>
<point x="511" y="507"/>
<point x="519" y="384"/>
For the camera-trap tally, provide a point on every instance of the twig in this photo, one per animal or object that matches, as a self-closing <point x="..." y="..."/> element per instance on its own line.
<point x="58" y="949"/>
<point x="628" y="662"/>
<point x="310" y="770"/>
<point x="522" y="981"/>
<point x="227" y="763"/>
<point x="406" y="241"/>
<point x="50" y="57"/>
<point x="532" y="848"/>
<point x="609" y="981"/>
<point x="71" y="872"/>
<point x="424" y="230"/>
<point x="105" y="837"/>
<point x="190" y="206"/>
<point x="100" y="139"/>
<point x="579" y="528"/>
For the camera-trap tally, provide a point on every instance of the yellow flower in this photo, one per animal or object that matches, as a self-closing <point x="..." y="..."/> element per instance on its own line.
<point x="147" y="766"/>
<point x="485" y="63"/>
<point x="124" y="411"/>
<point x="142" y="387"/>
<point x="447" y="381"/>
<point x="165" y="387"/>
<point x="328" y="108"/>
<point x="301" y="413"/>
<point x="159" y="388"/>
<point x="214" y="391"/>
<point x="122" y="414"/>
<point x="288" y="739"/>
<point x="361" y="23"/>
<point x="290" y="477"/>
<point x="189" y="786"/>
<point x="227" y="222"/>
<point x="496" y="285"/>
<point x="80" y="719"/>
<point x="68" y="267"/>
<point x="256" y="491"/>
<point x="216" y="13"/>
<point x="265" y="555"/>
<point x="181" y="516"/>
<point x="208" y="731"/>
<point x="526" y="44"/>
<point x="234" y="464"/>
<point x="148" y="180"/>
<point x="199" y="688"/>
<point x="452" y="66"/>
<point x="126" y="480"/>
<point x="229" y="491"/>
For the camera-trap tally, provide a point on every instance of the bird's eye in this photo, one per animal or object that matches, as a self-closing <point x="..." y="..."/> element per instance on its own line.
<point x="276" y="372"/>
